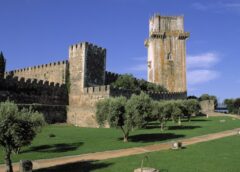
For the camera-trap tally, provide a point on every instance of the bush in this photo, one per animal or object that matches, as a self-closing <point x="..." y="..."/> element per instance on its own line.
<point x="128" y="82"/>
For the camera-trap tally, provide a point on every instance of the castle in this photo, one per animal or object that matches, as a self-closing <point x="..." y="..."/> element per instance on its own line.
<point x="68" y="90"/>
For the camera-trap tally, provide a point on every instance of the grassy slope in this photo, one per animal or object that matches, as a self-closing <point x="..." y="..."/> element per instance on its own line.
<point x="220" y="155"/>
<point x="71" y="140"/>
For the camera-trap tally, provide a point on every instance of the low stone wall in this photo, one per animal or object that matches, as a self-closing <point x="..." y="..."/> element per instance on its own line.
<point x="207" y="106"/>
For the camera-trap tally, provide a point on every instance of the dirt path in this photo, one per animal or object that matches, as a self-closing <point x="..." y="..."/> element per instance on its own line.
<point x="37" y="164"/>
<point x="222" y="114"/>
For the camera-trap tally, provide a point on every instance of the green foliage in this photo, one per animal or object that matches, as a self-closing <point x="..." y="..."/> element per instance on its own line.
<point x="102" y="111"/>
<point x="17" y="128"/>
<point x="139" y="107"/>
<point x="117" y="116"/>
<point x="123" y="114"/>
<point x="230" y="105"/>
<point x="158" y="113"/>
<point x="191" y="107"/>
<point x="127" y="81"/>
<point x="233" y="105"/>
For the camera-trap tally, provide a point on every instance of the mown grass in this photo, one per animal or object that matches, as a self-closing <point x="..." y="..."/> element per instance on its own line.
<point x="220" y="155"/>
<point x="69" y="140"/>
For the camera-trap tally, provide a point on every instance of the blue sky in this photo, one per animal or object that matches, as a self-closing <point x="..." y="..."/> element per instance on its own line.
<point x="40" y="31"/>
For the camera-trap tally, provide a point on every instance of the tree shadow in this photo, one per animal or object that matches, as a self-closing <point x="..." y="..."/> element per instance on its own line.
<point x="183" y="127"/>
<point x="145" y="138"/>
<point x="61" y="147"/>
<point x="81" y="166"/>
<point x="199" y="120"/>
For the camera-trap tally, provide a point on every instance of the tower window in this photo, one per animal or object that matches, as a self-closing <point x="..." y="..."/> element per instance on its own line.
<point x="169" y="56"/>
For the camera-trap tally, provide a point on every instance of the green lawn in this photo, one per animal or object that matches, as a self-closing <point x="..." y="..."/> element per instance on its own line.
<point x="70" y="140"/>
<point x="220" y="155"/>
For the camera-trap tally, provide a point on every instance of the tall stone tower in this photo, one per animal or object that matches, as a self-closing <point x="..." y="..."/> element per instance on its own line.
<point x="87" y="65"/>
<point x="2" y="65"/>
<point x="167" y="52"/>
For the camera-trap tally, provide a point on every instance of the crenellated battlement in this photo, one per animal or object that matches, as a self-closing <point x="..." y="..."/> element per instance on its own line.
<point x="111" y="77"/>
<point x="23" y="90"/>
<point x="97" y="90"/>
<point x="52" y="72"/>
<point x="116" y="92"/>
<point x="43" y="66"/>
<point x="81" y="45"/>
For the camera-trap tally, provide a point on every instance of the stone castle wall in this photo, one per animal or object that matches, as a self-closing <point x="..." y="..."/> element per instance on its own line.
<point x="69" y="90"/>
<point x="84" y="114"/>
<point x="87" y="68"/>
<point x="110" y="77"/>
<point x="51" y="99"/>
<point x="30" y="91"/>
<point x="53" y="72"/>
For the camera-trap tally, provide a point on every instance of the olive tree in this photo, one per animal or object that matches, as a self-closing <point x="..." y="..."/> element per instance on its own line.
<point x="191" y="107"/>
<point x="17" y="129"/>
<point x="158" y="113"/>
<point x="139" y="108"/>
<point x="124" y="114"/>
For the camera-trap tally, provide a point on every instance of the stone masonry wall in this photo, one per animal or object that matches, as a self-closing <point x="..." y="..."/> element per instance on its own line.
<point x="110" y="77"/>
<point x="29" y="91"/>
<point x="84" y="114"/>
<point x="86" y="68"/>
<point x="53" y="72"/>
<point x="167" y="52"/>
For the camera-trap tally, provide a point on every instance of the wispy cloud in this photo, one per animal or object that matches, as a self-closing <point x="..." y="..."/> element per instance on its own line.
<point x="139" y="67"/>
<point x="201" y="76"/>
<point x="200" y="6"/>
<point x="217" y="7"/>
<point x="200" y="68"/>
<point x="205" y="60"/>
<point x="140" y="58"/>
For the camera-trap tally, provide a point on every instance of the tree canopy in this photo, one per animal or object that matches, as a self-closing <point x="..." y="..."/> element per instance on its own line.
<point x="127" y="81"/>
<point x="17" y="129"/>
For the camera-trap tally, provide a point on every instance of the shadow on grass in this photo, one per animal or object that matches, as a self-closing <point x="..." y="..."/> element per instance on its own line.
<point x="145" y="138"/>
<point x="183" y="127"/>
<point x="82" y="166"/>
<point x="61" y="147"/>
<point x="199" y="120"/>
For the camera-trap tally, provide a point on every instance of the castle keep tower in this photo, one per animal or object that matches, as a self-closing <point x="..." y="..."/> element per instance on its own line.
<point x="167" y="52"/>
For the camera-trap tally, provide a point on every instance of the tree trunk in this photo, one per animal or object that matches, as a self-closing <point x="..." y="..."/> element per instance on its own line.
<point x="125" y="139"/>
<point x="162" y="126"/>
<point x="125" y="135"/>
<point x="179" y="121"/>
<point x="8" y="162"/>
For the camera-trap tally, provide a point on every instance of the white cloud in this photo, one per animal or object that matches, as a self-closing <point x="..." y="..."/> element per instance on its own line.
<point x="217" y="7"/>
<point x="201" y="76"/>
<point x="139" y="68"/>
<point x="200" y="6"/>
<point x="206" y="60"/>
<point x="140" y="58"/>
